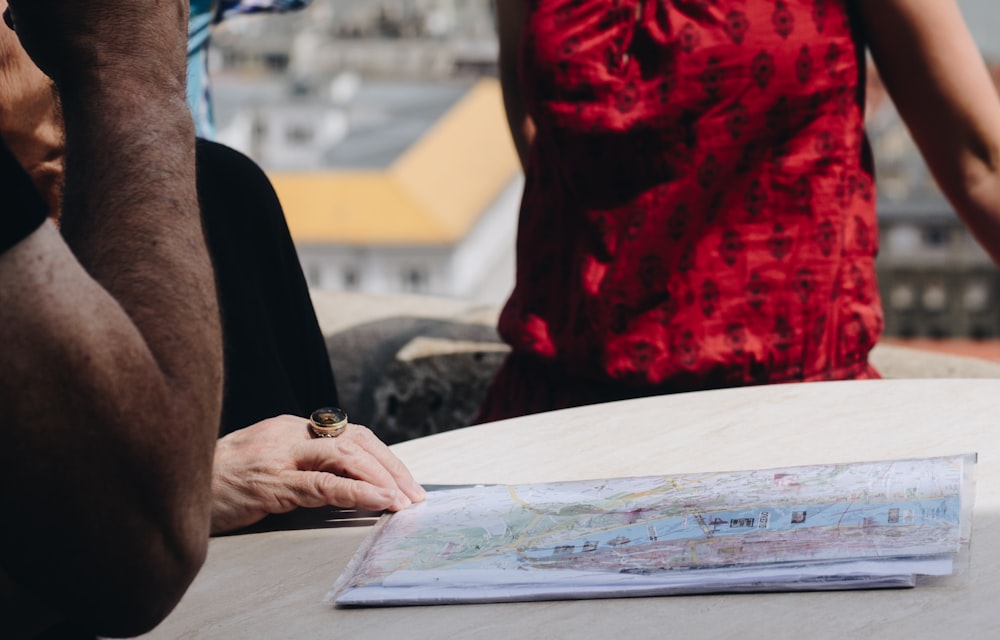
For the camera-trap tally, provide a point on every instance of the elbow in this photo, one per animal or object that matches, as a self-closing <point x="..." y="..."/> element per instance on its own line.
<point x="169" y="587"/>
<point x="983" y="165"/>
<point x="146" y="594"/>
<point x="968" y="173"/>
<point x="973" y="187"/>
<point x="164" y="553"/>
<point x="161" y="545"/>
<point x="978" y="191"/>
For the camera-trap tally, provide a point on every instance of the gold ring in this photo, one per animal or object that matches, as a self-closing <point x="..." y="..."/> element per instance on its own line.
<point x="328" y="422"/>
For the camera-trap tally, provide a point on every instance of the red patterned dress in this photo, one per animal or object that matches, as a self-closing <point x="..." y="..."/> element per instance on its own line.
<point x="699" y="206"/>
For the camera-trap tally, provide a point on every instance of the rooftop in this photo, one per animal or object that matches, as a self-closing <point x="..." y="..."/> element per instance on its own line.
<point x="420" y="187"/>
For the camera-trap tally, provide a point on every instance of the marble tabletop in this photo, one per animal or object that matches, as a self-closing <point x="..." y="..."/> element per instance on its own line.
<point x="270" y="583"/>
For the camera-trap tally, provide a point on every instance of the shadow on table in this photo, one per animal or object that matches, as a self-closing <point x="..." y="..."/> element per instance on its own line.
<point x="318" y="518"/>
<point x="326" y="517"/>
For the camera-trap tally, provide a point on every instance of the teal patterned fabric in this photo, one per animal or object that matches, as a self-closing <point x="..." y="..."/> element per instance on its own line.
<point x="205" y="14"/>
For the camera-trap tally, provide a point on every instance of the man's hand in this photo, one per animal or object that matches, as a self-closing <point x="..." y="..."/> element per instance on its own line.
<point x="276" y="465"/>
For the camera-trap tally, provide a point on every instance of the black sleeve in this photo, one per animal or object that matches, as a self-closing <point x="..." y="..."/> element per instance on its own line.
<point x="23" y="209"/>
<point x="274" y="353"/>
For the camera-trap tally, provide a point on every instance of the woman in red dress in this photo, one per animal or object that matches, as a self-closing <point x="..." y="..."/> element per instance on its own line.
<point x="699" y="205"/>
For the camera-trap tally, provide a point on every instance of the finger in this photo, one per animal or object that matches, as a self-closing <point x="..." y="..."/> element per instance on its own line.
<point x="388" y="460"/>
<point x="346" y="457"/>
<point x="318" y="488"/>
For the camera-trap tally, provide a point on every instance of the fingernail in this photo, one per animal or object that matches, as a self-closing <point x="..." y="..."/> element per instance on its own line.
<point x="397" y="499"/>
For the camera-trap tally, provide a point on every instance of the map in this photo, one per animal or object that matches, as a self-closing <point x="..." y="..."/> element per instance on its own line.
<point x="865" y="524"/>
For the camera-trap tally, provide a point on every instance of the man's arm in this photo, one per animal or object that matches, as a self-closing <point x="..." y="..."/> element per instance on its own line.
<point x="110" y="383"/>
<point x="942" y="89"/>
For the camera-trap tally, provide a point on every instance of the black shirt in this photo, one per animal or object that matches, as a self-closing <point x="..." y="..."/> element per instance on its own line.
<point x="22" y="209"/>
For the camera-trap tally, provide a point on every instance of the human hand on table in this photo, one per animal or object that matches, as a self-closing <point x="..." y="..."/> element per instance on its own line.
<point x="276" y="465"/>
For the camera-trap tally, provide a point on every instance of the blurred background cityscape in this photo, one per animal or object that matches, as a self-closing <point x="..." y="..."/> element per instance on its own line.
<point x="382" y="128"/>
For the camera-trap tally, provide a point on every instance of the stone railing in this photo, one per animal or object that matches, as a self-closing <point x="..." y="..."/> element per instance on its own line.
<point x="409" y="366"/>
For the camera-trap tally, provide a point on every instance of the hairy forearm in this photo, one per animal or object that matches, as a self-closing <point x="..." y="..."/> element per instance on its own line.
<point x="131" y="218"/>
<point x="113" y="435"/>
<point x="106" y="462"/>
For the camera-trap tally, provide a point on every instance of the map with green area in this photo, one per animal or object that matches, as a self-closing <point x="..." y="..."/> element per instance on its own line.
<point x="827" y="526"/>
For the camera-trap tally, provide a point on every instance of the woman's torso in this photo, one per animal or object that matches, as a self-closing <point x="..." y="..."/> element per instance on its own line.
<point x="699" y="201"/>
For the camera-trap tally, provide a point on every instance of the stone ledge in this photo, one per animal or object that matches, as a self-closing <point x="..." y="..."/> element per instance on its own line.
<point x="410" y="366"/>
<point x="893" y="361"/>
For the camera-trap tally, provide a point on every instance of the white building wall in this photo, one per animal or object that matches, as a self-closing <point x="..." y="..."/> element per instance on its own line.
<point x="481" y="267"/>
<point x="376" y="269"/>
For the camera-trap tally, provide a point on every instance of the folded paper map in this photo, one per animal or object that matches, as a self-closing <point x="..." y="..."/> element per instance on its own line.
<point x="837" y="526"/>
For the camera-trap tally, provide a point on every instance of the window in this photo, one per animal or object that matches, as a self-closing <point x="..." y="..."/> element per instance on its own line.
<point x="414" y="279"/>
<point x="233" y="59"/>
<point x="902" y="296"/>
<point x="350" y="278"/>
<point x="935" y="237"/>
<point x="976" y="297"/>
<point x="276" y="61"/>
<point x="935" y="296"/>
<point x="299" y="134"/>
<point x="903" y="239"/>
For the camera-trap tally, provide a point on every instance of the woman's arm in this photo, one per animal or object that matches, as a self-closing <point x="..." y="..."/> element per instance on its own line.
<point x="938" y="81"/>
<point x="511" y="15"/>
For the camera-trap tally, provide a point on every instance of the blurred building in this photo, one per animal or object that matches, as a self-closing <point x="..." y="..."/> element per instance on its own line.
<point x="382" y="127"/>
<point x="439" y="216"/>
<point x="415" y="39"/>
<point x="386" y="140"/>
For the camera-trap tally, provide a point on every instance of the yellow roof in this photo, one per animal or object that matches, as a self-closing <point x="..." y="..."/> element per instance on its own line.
<point x="432" y="194"/>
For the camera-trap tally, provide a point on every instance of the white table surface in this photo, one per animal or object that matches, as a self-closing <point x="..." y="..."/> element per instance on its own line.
<point x="270" y="584"/>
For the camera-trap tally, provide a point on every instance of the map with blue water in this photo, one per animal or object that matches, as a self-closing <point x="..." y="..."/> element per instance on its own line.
<point x="822" y="526"/>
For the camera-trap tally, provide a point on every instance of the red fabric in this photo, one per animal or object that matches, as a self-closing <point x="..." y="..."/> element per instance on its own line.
<point x="699" y="207"/>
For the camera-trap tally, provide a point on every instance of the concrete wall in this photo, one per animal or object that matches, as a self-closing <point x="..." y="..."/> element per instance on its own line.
<point x="409" y="366"/>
